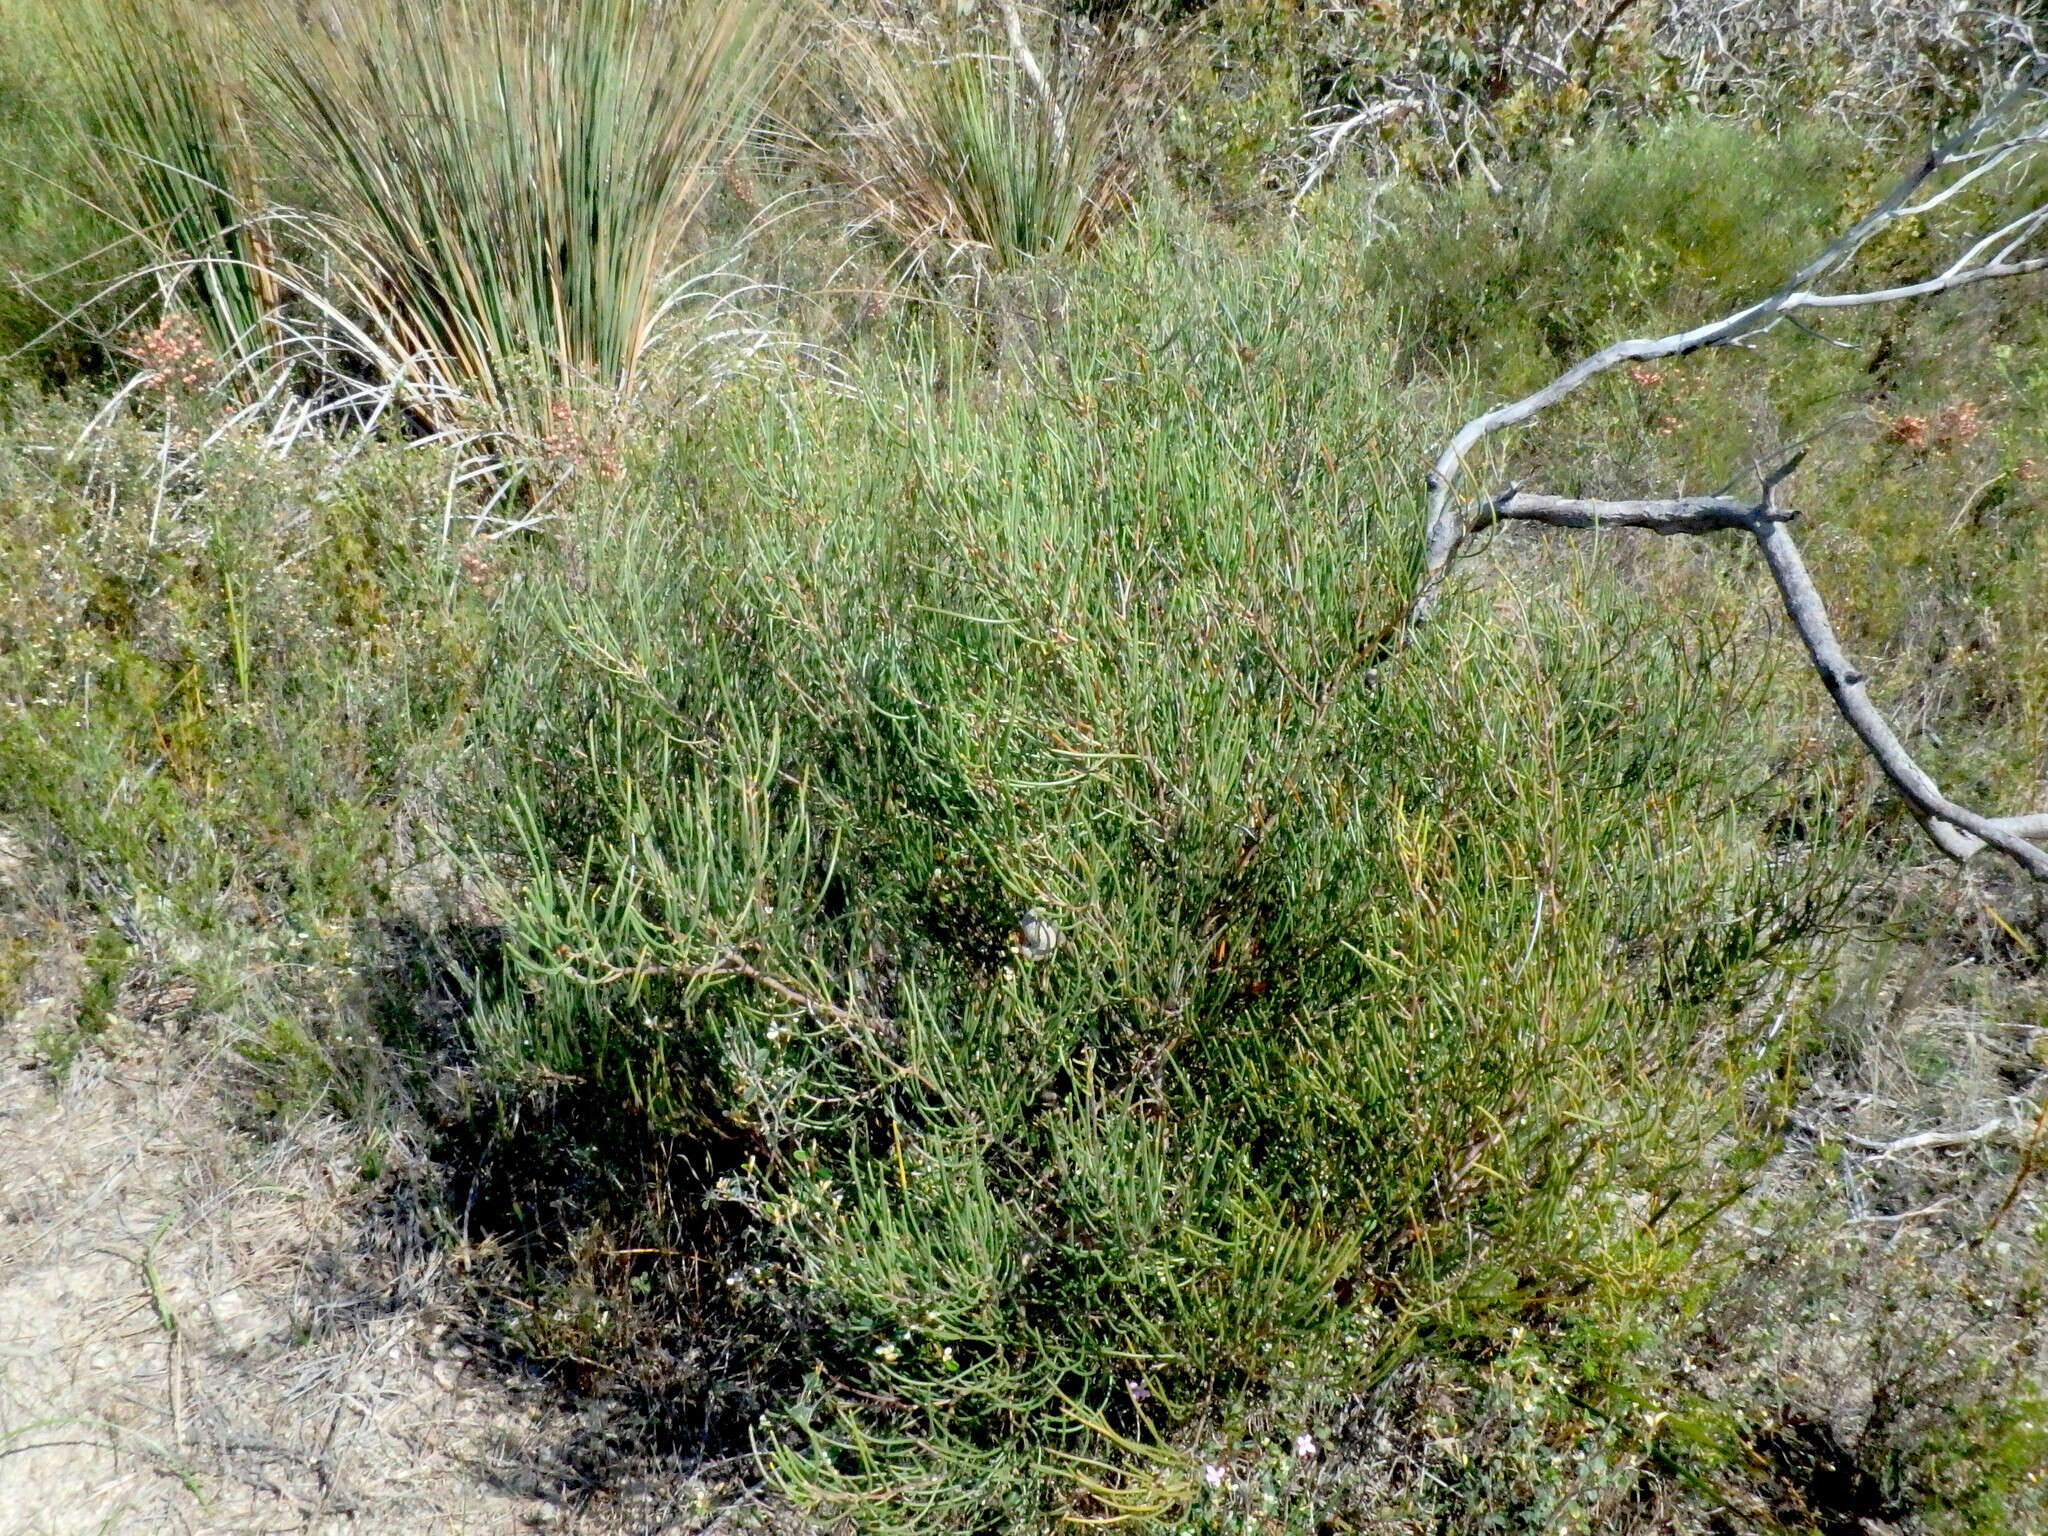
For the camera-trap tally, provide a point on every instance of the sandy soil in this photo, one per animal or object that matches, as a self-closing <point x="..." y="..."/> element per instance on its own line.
<point x="204" y="1331"/>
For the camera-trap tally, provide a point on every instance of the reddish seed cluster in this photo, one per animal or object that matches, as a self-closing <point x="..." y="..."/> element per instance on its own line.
<point x="1910" y="430"/>
<point x="1957" y="426"/>
<point x="567" y="446"/>
<point x="476" y="564"/>
<point x="1644" y="377"/>
<point x="173" y="355"/>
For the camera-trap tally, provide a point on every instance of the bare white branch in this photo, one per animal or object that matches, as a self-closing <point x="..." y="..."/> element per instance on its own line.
<point x="1957" y="830"/>
<point x="2004" y="135"/>
<point x="1931" y="1141"/>
<point x="1027" y="61"/>
<point x="1330" y="138"/>
<point x="2016" y="125"/>
<point x="1945" y="283"/>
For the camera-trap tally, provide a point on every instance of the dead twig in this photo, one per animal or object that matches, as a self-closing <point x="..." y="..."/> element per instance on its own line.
<point x="1957" y="830"/>
<point x="2028" y="1155"/>
<point x="2004" y="138"/>
<point x="1930" y="1141"/>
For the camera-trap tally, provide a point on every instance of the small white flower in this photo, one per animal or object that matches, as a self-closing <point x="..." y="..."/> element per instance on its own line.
<point x="1035" y="938"/>
<point x="1215" y="1476"/>
<point x="889" y="1352"/>
<point x="1305" y="1448"/>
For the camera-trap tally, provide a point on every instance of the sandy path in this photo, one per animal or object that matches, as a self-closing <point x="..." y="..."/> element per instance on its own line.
<point x="203" y="1331"/>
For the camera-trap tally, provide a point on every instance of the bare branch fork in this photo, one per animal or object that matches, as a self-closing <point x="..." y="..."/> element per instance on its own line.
<point x="1048" y="96"/>
<point x="1958" y="831"/>
<point x="2004" y="136"/>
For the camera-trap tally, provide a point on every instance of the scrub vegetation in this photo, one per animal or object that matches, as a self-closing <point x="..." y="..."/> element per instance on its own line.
<point x="771" y="649"/>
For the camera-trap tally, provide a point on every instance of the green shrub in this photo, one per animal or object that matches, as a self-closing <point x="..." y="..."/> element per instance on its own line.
<point x="1690" y="220"/>
<point x="1392" y="994"/>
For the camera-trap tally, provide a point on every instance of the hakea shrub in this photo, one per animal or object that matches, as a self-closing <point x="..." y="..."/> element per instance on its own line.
<point x="1123" y="998"/>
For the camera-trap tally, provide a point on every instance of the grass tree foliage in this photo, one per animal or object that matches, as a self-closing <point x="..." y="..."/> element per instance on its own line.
<point x="53" y="236"/>
<point x="1387" y="997"/>
<point x="170" y="141"/>
<point x="961" y="147"/>
<point x="504" y="191"/>
<point x="488" y="206"/>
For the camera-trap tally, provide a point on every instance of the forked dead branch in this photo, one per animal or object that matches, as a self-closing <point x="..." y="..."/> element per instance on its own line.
<point x="1994" y="162"/>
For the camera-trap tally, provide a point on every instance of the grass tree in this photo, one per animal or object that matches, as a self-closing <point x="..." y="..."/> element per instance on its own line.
<point x="503" y="194"/>
<point x="489" y="207"/>
<point x="970" y="152"/>
<point x="170" y="140"/>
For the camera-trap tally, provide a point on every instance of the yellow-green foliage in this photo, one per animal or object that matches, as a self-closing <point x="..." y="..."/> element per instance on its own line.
<point x="243" y="655"/>
<point x="1925" y="481"/>
<point x="218" y="674"/>
<point x="1624" y="235"/>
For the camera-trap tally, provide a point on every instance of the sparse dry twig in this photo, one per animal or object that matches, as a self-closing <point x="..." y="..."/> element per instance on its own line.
<point x="2005" y="137"/>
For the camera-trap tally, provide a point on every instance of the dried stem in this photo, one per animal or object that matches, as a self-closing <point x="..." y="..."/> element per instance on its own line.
<point x="2001" y="137"/>
<point x="1027" y="61"/>
<point x="1958" y="830"/>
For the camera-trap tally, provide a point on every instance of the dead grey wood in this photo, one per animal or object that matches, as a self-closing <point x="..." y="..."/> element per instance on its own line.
<point x="1027" y="61"/>
<point x="1999" y="142"/>
<point x="1973" y="154"/>
<point x="1957" y="830"/>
